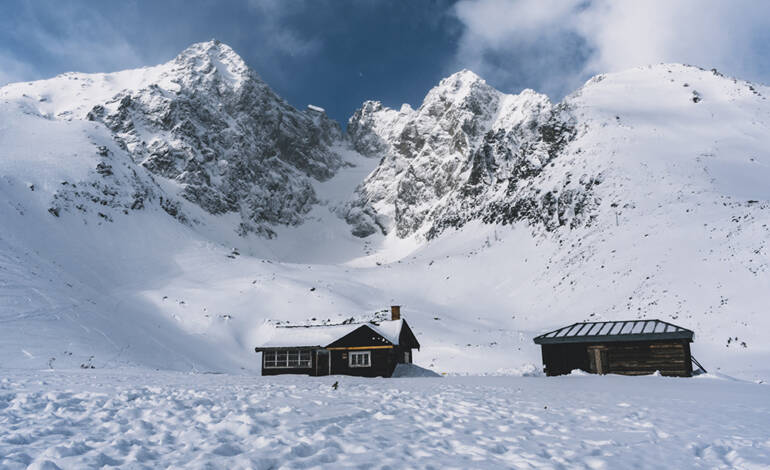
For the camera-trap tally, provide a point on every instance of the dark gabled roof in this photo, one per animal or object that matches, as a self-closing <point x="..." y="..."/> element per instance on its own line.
<point x="407" y="338"/>
<point x="606" y="331"/>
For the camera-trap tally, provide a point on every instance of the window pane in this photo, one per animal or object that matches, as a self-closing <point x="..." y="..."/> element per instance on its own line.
<point x="360" y="359"/>
<point x="304" y="358"/>
<point x="293" y="359"/>
<point x="269" y="358"/>
<point x="281" y="358"/>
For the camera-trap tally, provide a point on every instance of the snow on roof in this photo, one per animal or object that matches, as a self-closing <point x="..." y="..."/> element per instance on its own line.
<point x="323" y="335"/>
<point x="315" y="108"/>
<point x="389" y="330"/>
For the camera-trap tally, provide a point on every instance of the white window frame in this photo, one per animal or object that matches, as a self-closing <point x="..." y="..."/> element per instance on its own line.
<point x="287" y="359"/>
<point x="362" y="354"/>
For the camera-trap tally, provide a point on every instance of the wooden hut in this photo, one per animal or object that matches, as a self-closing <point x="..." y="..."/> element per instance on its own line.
<point x="634" y="347"/>
<point x="371" y="349"/>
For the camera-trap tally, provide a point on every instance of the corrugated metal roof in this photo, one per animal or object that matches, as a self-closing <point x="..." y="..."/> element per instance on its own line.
<point x="627" y="330"/>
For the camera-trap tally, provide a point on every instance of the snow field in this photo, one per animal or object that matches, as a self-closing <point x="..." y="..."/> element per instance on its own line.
<point x="140" y="419"/>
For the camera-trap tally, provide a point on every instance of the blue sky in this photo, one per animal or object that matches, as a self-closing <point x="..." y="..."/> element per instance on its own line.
<point x="338" y="53"/>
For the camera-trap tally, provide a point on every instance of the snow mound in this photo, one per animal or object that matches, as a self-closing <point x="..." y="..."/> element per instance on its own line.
<point x="526" y="370"/>
<point x="413" y="370"/>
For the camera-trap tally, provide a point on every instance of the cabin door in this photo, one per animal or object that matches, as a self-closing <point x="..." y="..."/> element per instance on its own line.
<point x="597" y="359"/>
<point x="322" y="364"/>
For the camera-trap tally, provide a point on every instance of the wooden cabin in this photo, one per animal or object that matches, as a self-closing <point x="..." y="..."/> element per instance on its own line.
<point x="635" y="347"/>
<point x="371" y="349"/>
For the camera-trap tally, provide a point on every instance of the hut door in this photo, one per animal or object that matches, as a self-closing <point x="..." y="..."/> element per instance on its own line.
<point x="597" y="359"/>
<point x="322" y="362"/>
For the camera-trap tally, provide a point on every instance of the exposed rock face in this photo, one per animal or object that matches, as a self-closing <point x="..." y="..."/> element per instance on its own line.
<point x="468" y="152"/>
<point x="210" y="124"/>
<point x="113" y="187"/>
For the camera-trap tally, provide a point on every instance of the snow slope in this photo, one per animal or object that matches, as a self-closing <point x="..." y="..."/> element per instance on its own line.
<point x="636" y="197"/>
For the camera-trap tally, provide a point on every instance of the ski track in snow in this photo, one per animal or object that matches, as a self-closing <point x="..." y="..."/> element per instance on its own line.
<point x="141" y="419"/>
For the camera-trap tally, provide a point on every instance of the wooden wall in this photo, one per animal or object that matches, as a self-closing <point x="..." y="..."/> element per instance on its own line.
<point x="290" y="370"/>
<point x="560" y="359"/>
<point x="669" y="357"/>
<point x="383" y="362"/>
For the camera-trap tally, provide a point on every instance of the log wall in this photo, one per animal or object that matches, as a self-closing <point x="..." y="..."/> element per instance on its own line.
<point x="669" y="357"/>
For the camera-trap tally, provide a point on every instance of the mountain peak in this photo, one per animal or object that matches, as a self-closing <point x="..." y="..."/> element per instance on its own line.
<point x="460" y="87"/>
<point x="463" y="76"/>
<point x="462" y="83"/>
<point x="215" y="57"/>
<point x="213" y="49"/>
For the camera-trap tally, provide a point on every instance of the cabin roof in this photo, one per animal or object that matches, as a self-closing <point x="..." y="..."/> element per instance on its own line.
<point x="607" y="331"/>
<point x="323" y="335"/>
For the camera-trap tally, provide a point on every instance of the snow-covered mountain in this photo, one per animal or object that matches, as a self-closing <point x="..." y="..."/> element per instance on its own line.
<point x="471" y="152"/>
<point x="206" y="124"/>
<point x="468" y="152"/>
<point x="157" y="217"/>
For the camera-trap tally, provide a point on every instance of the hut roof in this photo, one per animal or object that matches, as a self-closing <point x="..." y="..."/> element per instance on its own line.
<point x="628" y="330"/>
<point x="323" y="335"/>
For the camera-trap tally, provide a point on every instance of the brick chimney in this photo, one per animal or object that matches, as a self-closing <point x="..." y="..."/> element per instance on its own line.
<point x="395" y="312"/>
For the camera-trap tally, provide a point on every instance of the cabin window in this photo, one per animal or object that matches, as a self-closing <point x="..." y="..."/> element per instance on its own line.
<point x="360" y="359"/>
<point x="407" y="357"/>
<point x="287" y="359"/>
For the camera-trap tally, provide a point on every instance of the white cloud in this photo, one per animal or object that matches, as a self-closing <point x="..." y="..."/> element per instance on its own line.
<point x="709" y="33"/>
<point x="552" y="41"/>
<point x="497" y="21"/>
<point x="272" y="27"/>
<point x="13" y="70"/>
<point x="67" y="34"/>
